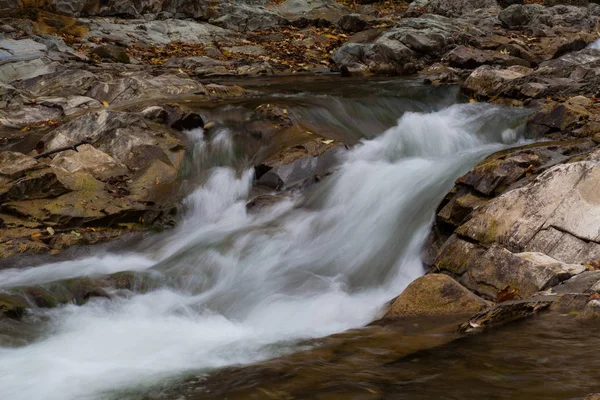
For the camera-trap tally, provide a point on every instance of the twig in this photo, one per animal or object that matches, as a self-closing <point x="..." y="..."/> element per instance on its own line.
<point x="65" y="148"/>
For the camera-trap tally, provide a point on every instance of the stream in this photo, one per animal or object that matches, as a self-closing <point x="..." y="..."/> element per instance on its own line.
<point x="238" y="288"/>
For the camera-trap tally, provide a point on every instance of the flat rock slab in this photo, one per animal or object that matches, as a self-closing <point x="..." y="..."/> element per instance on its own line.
<point x="20" y="50"/>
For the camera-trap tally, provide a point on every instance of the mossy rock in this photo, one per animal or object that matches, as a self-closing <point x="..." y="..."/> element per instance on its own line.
<point x="12" y="306"/>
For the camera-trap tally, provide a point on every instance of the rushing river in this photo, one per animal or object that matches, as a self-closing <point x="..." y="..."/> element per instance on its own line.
<point x="239" y="288"/>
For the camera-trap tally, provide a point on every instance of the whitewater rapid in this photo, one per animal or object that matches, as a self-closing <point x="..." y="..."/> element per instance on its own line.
<point x="239" y="287"/>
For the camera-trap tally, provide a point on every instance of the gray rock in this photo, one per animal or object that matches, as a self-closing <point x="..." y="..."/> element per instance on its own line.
<point x="352" y="23"/>
<point x="311" y="10"/>
<point x="242" y="17"/>
<point x="154" y="33"/>
<point x="468" y="57"/>
<point x="582" y="283"/>
<point x="535" y="16"/>
<point x="20" y="50"/>
<point x="146" y="86"/>
<point x="457" y="8"/>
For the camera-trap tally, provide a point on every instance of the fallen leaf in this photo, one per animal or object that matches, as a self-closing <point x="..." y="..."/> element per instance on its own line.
<point x="36" y="235"/>
<point x="595" y="296"/>
<point x="327" y="141"/>
<point x="50" y="231"/>
<point x="157" y="181"/>
<point x="75" y="233"/>
<point x="506" y="294"/>
<point x="105" y="103"/>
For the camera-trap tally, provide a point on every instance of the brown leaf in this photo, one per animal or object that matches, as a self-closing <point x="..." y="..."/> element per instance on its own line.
<point x="506" y="294"/>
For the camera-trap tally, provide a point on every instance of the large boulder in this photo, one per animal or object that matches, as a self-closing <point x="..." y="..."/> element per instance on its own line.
<point x="435" y="295"/>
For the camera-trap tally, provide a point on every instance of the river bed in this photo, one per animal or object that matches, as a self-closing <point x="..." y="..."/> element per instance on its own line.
<point x="237" y="288"/>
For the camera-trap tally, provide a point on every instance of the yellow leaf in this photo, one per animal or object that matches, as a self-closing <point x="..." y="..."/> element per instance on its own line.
<point x="105" y="103"/>
<point x="50" y="231"/>
<point x="327" y="141"/>
<point x="472" y="101"/>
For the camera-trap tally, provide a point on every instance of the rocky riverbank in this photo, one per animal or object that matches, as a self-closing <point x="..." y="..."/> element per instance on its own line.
<point x="94" y="97"/>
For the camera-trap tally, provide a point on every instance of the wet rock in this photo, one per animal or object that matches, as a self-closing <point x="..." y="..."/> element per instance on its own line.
<point x="12" y="306"/>
<point x="262" y="202"/>
<point x="465" y="57"/>
<point x="352" y="23"/>
<point x="112" y="53"/>
<point x="506" y="312"/>
<point x="435" y="295"/>
<point x="91" y="160"/>
<point x="187" y="121"/>
<point x="591" y="312"/>
<point x="302" y="164"/>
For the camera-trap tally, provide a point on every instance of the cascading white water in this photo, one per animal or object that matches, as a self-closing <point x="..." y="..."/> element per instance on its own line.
<point x="242" y="287"/>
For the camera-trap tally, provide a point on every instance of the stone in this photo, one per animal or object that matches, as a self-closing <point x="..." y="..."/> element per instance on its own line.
<point x="89" y="159"/>
<point x="563" y="117"/>
<point x="471" y="58"/>
<point x="487" y="81"/>
<point x="560" y="198"/>
<point x="262" y="202"/>
<point x="311" y="10"/>
<point x="527" y="273"/>
<point x="591" y="312"/>
<point x="457" y="8"/>
<point x="20" y="50"/>
<point x="146" y="86"/>
<point x="435" y="295"/>
<point x="352" y="23"/>
<point x="301" y="164"/>
<point x="112" y="53"/>
<point x="583" y="283"/>
<point x="155" y="113"/>
<point x="458" y="256"/>
<point x="506" y="312"/>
